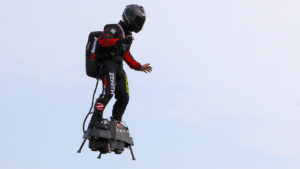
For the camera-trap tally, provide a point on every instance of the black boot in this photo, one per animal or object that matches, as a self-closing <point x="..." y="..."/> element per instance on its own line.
<point x="101" y="125"/>
<point x="97" y="122"/>
<point x="96" y="118"/>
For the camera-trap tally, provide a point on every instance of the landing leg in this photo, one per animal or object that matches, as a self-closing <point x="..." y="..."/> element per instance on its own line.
<point x="99" y="157"/>
<point x="133" y="158"/>
<point x="109" y="149"/>
<point x="79" y="151"/>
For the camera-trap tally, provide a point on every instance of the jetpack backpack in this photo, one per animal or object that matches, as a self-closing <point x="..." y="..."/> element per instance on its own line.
<point x="94" y="55"/>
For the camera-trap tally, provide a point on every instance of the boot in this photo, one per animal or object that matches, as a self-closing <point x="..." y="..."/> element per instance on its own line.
<point x="96" y="118"/>
<point x="101" y="125"/>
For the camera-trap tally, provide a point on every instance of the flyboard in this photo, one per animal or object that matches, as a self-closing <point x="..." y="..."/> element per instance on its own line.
<point x="114" y="137"/>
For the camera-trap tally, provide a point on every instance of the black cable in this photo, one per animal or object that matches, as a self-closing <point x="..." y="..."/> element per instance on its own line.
<point x="83" y="125"/>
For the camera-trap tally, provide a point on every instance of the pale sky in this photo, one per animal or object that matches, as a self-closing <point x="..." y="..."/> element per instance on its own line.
<point x="224" y="92"/>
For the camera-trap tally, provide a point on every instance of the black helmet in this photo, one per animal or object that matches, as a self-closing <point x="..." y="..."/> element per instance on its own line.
<point x="134" y="17"/>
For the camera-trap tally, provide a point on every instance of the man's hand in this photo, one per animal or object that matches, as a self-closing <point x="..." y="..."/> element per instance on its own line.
<point x="146" y="68"/>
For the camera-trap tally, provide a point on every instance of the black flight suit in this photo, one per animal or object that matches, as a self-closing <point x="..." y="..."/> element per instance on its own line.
<point x="114" y="78"/>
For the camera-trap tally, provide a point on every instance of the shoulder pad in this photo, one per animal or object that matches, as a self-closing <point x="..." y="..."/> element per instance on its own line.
<point x="111" y="28"/>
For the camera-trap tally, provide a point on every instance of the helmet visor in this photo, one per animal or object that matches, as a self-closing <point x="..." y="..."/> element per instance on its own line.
<point x="139" y="23"/>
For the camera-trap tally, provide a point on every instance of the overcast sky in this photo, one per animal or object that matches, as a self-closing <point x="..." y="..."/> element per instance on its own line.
<point x="224" y="92"/>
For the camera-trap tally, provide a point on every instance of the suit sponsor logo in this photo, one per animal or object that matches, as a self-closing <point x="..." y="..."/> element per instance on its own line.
<point x="112" y="83"/>
<point x="99" y="106"/>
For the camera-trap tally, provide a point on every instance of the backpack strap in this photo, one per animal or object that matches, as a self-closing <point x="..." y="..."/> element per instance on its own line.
<point x="123" y="33"/>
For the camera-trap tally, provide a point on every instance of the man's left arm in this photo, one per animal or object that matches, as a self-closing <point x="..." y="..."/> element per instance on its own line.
<point x="133" y="64"/>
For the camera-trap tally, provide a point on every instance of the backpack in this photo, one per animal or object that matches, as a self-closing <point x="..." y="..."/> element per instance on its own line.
<point x="93" y="55"/>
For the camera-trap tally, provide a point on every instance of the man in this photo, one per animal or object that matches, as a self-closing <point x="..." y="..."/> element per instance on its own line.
<point x="117" y="39"/>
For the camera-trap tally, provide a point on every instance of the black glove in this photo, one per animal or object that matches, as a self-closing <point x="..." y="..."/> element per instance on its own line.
<point x="127" y="41"/>
<point x="124" y="43"/>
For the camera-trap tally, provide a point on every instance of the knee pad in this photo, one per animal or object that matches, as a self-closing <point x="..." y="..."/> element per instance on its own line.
<point x="99" y="106"/>
<point x="102" y="102"/>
